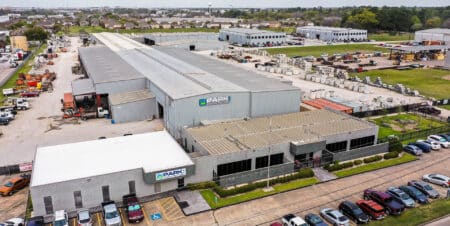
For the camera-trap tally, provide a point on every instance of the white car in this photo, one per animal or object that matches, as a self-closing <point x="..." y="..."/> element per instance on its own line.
<point x="438" y="139"/>
<point x="61" y="218"/>
<point x="84" y="218"/>
<point x="434" y="145"/>
<point x="438" y="179"/>
<point x="13" y="222"/>
<point x="335" y="217"/>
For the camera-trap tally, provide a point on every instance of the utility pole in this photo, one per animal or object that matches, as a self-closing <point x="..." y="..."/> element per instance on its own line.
<point x="268" y="156"/>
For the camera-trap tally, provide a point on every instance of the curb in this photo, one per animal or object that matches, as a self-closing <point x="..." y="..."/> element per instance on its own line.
<point x="434" y="220"/>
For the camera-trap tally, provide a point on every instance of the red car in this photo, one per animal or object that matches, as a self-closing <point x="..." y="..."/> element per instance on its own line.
<point x="371" y="208"/>
<point x="133" y="208"/>
<point x="30" y="94"/>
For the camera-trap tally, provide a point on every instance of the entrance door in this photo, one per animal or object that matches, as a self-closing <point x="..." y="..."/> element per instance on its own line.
<point x="181" y="182"/>
<point x="160" y="111"/>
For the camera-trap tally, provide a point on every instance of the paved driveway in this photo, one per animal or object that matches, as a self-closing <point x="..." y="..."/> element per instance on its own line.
<point x="329" y="194"/>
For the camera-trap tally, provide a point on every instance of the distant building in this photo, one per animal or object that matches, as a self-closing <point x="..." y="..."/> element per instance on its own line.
<point x="4" y="19"/>
<point x="19" y="42"/>
<point x="252" y="37"/>
<point x="332" y="34"/>
<point x="435" y="34"/>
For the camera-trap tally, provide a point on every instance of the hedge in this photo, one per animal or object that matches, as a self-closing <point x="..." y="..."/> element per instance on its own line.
<point x="373" y="159"/>
<point x="338" y="166"/>
<point x="391" y="155"/>
<point x="303" y="173"/>
<point x="395" y="145"/>
<point x="202" y="185"/>
<point x="357" y="162"/>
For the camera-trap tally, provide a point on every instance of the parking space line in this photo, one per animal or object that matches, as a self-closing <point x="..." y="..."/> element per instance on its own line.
<point x="162" y="210"/>
<point x="99" y="220"/>
<point x="146" y="217"/>
<point x="74" y="222"/>
<point x="123" y="217"/>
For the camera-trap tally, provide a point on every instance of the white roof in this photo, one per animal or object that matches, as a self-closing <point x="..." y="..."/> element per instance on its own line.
<point x="152" y="152"/>
<point x="332" y="29"/>
<point x="435" y="31"/>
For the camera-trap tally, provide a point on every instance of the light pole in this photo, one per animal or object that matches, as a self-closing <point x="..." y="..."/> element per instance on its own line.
<point x="268" y="156"/>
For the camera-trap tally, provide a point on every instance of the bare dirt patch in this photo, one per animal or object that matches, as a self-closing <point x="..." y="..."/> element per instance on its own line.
<point x="447" y="77"/>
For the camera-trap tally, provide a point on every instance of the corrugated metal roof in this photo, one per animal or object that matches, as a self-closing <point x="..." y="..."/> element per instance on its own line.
<point x="82" y="86"/>
<point x="103" y="65"/>
<point x="435" y="31"/>
<point x="249" y="31"/>
<point x="128" y="97"/>
<point x="310" y="126"/>
<point x="332" y="29"/>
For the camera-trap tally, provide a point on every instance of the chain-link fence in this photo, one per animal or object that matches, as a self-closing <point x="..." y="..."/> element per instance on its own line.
<point x="418" y="134"/>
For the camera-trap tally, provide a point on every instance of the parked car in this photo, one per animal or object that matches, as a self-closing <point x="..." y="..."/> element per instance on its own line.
<point x="111" y="214"/>
<point x="15" y="184"/>
<point x="438" y="179"/>
<point x="352" y="211"/>
<point x="411" y="149"/>
<point x="35" y="221"/>
<point x="390" y="205"/>
<point x="373" y="209"/>
<point x="445" y="136"/>
<point x="440" y="140"/>
<point x="434" y="145"/>
<point x="314" y="220"/>
<point x="335" y="217"/>
<point x="10" y="116"/>
<point x="61" y="218"/>
<point x="292" y="220"/>
<point x="424" y="188"/>
<point x="13" y="222"/>
<point x="415" y="194"/>
<point x="276" y="224"/>
<point x="401" y="196"/>
<point x="423" y="146"/>
<point x="133" y="209"/>
<point x="84" y="218"/>
<point x="4" y="121"/>
<point x="30" y="94"/>
<point x="429" y="110"/>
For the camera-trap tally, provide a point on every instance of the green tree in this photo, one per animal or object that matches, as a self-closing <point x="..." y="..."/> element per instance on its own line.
<point x="365" y="19"/>
<point x="433" y="22"/>
<point x="417" y="24"/>
<point x="36" y="34"/>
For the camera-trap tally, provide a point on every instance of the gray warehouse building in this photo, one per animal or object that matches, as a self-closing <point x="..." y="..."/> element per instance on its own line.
<point x="332" y="34"/>
<point x="252" y="37"/>
<point x="190" y="88"/>
<point x="435" y="34"/>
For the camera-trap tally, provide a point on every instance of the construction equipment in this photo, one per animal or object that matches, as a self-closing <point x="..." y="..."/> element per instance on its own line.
<point x="70" y="109"/>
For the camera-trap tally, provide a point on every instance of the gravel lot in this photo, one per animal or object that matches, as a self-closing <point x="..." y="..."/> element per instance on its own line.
<point x="13" y="206"/>
<point x="42" y="125"/>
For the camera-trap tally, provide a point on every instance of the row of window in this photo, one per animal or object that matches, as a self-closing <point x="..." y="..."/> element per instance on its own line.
<point x="266" y="37"/>
<point x="362" y="142"/>
<point x="246" y="165"/>
<point x="337" y="147"/>
<point x="346" y="34"/>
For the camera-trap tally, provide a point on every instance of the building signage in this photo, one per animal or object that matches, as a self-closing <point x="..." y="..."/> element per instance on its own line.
<point x="171" y="174"/>
<point x="214" y="101"/>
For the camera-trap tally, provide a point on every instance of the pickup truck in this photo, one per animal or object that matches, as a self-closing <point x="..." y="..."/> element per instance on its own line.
<point x="15" y="184"/>
<point x="390" y="204"/>
<point x="111" y="214"/>
<point x="292" y="220"/>
<point x="30" y="94"/>
<point x="133" y="209"/>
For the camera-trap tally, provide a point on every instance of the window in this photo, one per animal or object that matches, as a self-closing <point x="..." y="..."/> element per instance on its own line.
<point x="48" y="204"/>
<point x="275" y="159"/>
<point x="337" y="147"/>
<point x="234" y="167"/>
<point x="362" y="142"/>
<point x="132" y="187"/>
<point x="105" y="192"/>
<point x="78" y="200"/>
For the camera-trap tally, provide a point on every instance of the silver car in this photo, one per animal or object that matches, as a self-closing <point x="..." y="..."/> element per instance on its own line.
<point x="401" y="196"/>
<point x="84" y="218"/>
<point x="424" y="188"/>
<point x="438" y="179"/>
<point x="335" y="217"/>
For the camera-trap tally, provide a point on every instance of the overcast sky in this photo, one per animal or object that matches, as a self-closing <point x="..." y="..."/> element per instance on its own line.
<point x="217" y="3"/>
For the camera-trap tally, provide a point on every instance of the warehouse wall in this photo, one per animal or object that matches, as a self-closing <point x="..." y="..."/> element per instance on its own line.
<point x="91" y="190"/>
<point x="120" y="86"/>
<point x="135" y="111"/>
<point x="274" y="103"/>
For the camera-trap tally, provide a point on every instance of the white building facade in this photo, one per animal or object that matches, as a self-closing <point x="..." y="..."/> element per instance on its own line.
<point x="332" y="34"/>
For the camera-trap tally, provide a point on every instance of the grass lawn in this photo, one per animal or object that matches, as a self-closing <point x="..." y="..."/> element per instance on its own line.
<point x="419" y="215"/>
<point x="376" y="165"/>
<point x="421" y="123"/>
<point x="444" y="106"/>
<point x="330" y="49"/>
<point x="430" y="82"/>
<point x="209" y="195"/>
<point x="387" y="37"/>
<point x="76" y="29"/>
<point x="25" y="69"/>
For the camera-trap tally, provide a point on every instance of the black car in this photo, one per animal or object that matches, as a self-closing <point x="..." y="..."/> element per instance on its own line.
<point x="352" y="211"/>
<point x="445" y="136"/>
<point x="414" y="193"/>
<point x="4" y="121"/>
<point x="314" y="220"/>
<point x="35" y="221"/>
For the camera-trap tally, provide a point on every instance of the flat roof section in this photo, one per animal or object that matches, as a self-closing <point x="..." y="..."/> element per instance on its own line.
<point x="435" y="31"/>
<point x="323" y="28"/>
<point x="103" y="65"/>
<point x="249" y="31"/>
<point x="241" y="135"/>
<point x="82" y="86"/>
<point x="152" y="152"/>
<point x="129" y="97"/>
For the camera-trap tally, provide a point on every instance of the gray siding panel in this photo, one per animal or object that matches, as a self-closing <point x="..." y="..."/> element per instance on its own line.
<point x="273" y="103"/>
<point x="362" y="152"/>
<point x="134" y="111"/>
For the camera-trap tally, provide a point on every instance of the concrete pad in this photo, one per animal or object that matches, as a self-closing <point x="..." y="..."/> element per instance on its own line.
<point x="195" y="201"/>
<point x="323" y="175"/>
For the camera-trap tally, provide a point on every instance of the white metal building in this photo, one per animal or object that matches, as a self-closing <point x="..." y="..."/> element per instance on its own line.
<point x="332" y="34"/>
<point x="252" y="37"/>
<point x="190" y="88"/>
<point x="435" y="34"/>
<point x="85" y="174"/>
<point x="133" y="106"/>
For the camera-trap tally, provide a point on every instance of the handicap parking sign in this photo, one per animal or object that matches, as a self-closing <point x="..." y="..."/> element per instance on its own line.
<point x="156" y="216"/>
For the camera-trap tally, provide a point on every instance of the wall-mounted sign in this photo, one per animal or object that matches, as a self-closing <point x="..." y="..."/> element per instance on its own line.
<point x="214" y="101"/>
<point x="171" y="174"/>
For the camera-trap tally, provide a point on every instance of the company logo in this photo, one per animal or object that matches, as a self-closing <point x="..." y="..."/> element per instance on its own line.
<point x="171" y="174"/>
<point x="214" y="101"/>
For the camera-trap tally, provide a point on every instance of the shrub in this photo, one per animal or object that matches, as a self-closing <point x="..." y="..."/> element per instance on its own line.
<point x="395" y="145"/>
<point x="373" y="159"/>
<point x="357" y="162"/>
<point x="390" y="155"/>
<point x="201" y="185"/>
<point x="336" y="167"/>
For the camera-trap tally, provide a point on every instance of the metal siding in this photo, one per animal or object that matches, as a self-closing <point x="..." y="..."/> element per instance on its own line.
<point x="134" y="111"/>
<point x="120" y="86"/>
<point x="274" y="103"/>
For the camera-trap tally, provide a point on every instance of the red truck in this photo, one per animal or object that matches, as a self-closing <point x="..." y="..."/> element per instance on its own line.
<point x="133" y="208"/>
<point x="30" y="94"/>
